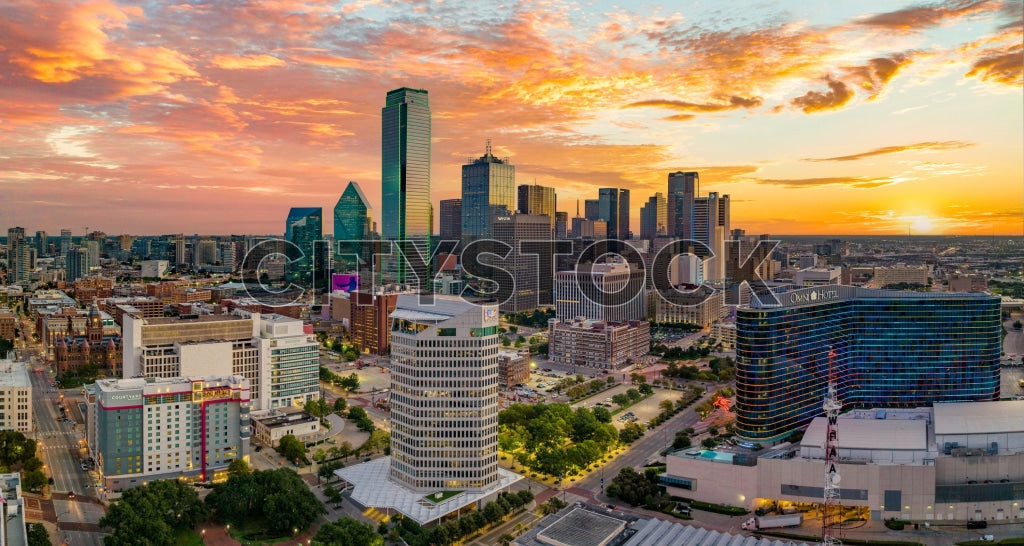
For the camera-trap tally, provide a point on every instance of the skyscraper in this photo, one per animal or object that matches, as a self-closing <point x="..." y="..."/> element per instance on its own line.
<point x="654" y="217"/>
<point x="613" y="207"/>
<point x="682" y="190"/>
<point x="353" y="221"/>
<point x="451" y="220"/>
<point x="18" y="256"/>
<point x="488" y="191"/>
<point x="303" y="228"/>
<point x="890" y="348"/>
<point x="538" y="200"/>
<point x="76" y="263"/>
<point x="444" y="411"/>
<point x="42" y="244"/>
<point x="65" y="241"/>
<point x="530" y="289"/>
<point x="592" y="209"/>
<point x="405" y="178"/>
<point x="561" y="225"/>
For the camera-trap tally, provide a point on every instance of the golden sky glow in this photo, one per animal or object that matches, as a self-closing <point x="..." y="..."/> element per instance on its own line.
<point x="211" y="117"/>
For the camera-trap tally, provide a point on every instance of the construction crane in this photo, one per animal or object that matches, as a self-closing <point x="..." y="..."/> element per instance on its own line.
<point x="831" y="512"/>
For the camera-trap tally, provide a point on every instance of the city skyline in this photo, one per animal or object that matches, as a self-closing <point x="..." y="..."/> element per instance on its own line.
<point x="869" y="118"/>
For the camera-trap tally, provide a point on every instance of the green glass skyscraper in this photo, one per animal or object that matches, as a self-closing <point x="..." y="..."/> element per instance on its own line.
<point x="353" y="221"/>
<point x="304" y="228"/>
<point x="405" y="179"/>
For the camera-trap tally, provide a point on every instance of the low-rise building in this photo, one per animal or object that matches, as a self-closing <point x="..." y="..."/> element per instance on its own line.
<point x="8" y="322"/>
<point x="597" y="344"/>
<point x="147" y="307"/>
<point x="901" y="274"/>
<point x="724" y="333"/>
<point x="154" y="269"/>
<point x="269" y="427"/>
<point x="15" y="396"/>
<point x="951" y="462"/>
<point x="146" y="429"/>
<point x="13" y="532"/>
<point x="701" y="305"/>
<point x="513" y="368"/>
<point x="818" y="276"/>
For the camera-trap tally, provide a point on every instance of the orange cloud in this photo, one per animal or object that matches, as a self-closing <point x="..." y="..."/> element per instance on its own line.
<point x="815" y="101"/>
<point x="245" y="62"/>
<point x="944" y="145"/>
<point x="1004" y="66"/>
<point x="684" y="106"/>
<point x="921" y="17"/>
<point x="852" y="181"/>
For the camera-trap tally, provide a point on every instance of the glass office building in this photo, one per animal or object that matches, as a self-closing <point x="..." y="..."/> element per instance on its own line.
<point x="304" y="228"/>
<point x="891" y="349"/>
<point x="353" y="221"/>
<point x="488" y="191"/>
<point x="405" y="178"/>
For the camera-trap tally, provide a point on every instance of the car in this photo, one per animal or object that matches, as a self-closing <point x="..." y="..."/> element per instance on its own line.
<point x="988" y="538"/>
<point x="610" y="506"/>
<point x="977" y="524"/>
<point x="83" y="467"/>
<point x="71" y="494"/>
<point x="259" y="448"/>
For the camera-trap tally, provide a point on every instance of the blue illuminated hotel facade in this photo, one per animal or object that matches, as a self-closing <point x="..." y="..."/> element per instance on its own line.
<point x="892" y="349"/>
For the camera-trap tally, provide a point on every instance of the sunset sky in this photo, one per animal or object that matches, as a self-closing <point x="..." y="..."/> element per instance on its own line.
<point x="215" y="117"/>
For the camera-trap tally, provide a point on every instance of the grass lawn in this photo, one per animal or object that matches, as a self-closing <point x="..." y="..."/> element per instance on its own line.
<point x="445" y="495"/>
<point x="188" y="537"/>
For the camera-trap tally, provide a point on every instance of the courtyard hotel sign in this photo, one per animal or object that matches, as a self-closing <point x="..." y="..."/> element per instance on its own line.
<point x="817" y="295"/>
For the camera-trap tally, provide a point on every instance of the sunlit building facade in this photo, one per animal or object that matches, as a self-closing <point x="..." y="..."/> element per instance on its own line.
<point x="444" y="394"/>
<point x="889" y="349"/>
<point x="405" y="178"/>
<point x="488" y="191"/>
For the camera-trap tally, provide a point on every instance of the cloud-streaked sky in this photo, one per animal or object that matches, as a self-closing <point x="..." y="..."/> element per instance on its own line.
<point x="216" y="117"/>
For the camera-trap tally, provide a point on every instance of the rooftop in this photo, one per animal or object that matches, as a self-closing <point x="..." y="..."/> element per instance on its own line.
<point x="14" y="374"/>
<point x="372" y="488"/>
<point x="583" y="528"/>
<point x="979" y="417"/>
<point x="193" y="319"/>
<point x="888" y="434"/>
<point x="658" y="532"/>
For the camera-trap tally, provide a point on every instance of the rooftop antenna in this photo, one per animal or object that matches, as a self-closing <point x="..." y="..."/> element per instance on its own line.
<point x="488" y="146"/>
<point x="831" y="514"/>
<point x="577" y="208"/>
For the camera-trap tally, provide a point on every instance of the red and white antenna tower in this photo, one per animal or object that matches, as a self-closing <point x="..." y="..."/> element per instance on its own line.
<point x="831" y="514"/>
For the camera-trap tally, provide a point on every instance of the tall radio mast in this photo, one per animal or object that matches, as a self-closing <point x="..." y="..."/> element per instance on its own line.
<point x="831" y="515"/>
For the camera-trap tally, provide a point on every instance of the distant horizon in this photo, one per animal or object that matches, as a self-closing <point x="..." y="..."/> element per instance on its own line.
<point x="56" y="234"/>
<point x="859" y="117"/>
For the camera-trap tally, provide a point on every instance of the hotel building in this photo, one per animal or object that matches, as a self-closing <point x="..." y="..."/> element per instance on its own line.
<point x="889" y="349"/>
<point x="182" y="428"/>
<point x="276" y="354"/>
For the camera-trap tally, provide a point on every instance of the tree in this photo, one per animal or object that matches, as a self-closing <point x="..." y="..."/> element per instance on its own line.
<point x="621" y="399"/>
<point x="634" y="395"/>
<point x="278" y="498"/>
<point x="340" y="404"/>
<point x="666" y="406"/>
<point x="238" y="467"/>
<point x="637" y="378"/>
<point x="602" y="414"/>
<point x="291" y="448"/>
<point x="349" y="531"/>
<point x="37" y="535"/>
<point x="152" y="513"/>
<point x="631" y="487"/>
<point x="646" y="389"/>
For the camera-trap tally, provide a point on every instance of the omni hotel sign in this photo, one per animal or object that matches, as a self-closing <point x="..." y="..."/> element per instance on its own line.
<point x="816" y="295"/>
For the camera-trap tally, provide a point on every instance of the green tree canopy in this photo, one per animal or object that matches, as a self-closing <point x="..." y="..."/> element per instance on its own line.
<point x="278" y="498"/>
<point x="348" y="531"/>
<point x="291" y="448"/>
<point x="151" y="514"/>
